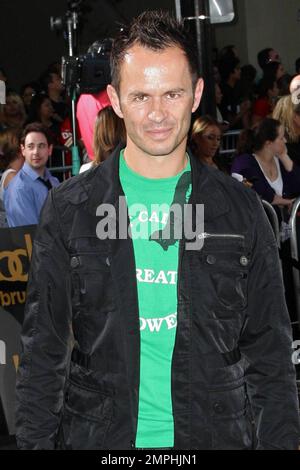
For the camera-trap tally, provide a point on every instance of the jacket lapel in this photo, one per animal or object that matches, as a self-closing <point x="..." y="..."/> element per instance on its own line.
<point x="206" y="190"/>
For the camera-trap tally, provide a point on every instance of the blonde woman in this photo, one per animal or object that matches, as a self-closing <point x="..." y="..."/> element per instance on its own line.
<point x="289" y="116"/>
<point x="13" y="112"/>
<point x="206" y="139"/>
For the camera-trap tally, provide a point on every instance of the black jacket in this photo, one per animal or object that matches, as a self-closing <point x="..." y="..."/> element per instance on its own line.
<point x="233" y="382"/>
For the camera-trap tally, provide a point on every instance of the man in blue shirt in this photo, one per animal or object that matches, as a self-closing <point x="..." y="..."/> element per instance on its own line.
<point x="26" y="193"/>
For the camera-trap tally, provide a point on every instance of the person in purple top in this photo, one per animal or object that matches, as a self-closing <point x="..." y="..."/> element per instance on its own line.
<point x="263" y="160"/>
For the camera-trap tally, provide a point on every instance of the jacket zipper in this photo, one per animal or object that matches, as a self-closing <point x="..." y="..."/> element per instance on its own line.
<point x="220" y="235"/>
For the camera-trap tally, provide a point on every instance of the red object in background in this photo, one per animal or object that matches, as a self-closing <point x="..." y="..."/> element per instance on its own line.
<point x="66" y="138"/>
<point x="88" y="107"/>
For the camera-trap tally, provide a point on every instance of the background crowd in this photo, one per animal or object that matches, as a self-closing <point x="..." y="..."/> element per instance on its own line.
<point x="256" y="102"/>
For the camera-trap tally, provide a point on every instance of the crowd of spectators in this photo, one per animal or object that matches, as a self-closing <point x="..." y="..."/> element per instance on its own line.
<point x="246" y="100"/>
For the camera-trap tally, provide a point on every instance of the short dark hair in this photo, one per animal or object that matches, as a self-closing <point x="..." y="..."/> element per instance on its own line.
<point x="47" y="78"/>
<point x="36" y="127"/>
<point x="297" y="65"/>
<point x="155" y="30"/>
<point x="263" y="57"/>
<point x="227" y="67"/>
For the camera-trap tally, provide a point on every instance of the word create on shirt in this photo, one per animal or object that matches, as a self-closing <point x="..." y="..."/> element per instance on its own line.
<point x="162" y="277"/>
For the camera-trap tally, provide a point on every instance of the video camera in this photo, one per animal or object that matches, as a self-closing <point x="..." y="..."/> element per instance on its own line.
<point x="89" y="73"/>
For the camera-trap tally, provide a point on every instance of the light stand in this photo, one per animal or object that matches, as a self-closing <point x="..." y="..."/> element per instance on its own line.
<point x="201" y="18"/>
<point x="72" y="23"/>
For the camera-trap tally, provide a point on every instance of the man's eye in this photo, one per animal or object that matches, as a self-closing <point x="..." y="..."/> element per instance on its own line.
<point x="140" y="98"/>
<point x="173" y="96"/>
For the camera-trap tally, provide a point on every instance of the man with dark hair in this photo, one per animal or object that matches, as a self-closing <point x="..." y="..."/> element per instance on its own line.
<point x="267" y="55"/>
<point x="176" y="327"/>
<point x="51" y="83"/>
<point x="26" y="193"/>
<point x="234" y="107"/>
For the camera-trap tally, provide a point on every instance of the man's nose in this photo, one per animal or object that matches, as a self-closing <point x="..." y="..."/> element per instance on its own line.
<point x="157" y="113"/>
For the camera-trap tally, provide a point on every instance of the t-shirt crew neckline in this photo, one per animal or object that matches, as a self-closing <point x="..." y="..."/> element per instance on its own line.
<point x="138" y="178"/>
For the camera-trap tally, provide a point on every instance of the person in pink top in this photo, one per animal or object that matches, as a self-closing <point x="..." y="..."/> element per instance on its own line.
<point x="88" y="107"/>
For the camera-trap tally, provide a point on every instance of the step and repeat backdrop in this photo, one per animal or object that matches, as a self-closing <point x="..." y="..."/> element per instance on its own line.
<point x="15" y="256"/>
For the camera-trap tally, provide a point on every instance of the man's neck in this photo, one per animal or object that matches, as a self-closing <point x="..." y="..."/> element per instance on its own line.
<point x="39" y="171"/>
<point x="156" y="167"/>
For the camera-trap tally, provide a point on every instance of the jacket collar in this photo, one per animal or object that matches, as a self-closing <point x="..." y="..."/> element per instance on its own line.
<point x="102" y="185"/>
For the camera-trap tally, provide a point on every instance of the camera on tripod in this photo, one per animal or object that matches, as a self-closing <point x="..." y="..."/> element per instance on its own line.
<point x="88" y="73"/>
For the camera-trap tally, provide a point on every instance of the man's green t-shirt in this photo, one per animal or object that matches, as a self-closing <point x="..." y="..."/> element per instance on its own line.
<point x="148" y="202"/>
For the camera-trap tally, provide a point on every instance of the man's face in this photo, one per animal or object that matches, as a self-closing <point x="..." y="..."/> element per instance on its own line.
<point x="156" y="99"/>
<point x="273" y="56"/>
<point x="56" y="83"/>
<point x="36" y="151"/>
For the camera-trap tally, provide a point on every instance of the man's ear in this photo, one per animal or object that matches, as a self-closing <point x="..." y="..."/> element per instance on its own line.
<point x="50" y="148"/>
<point x="114" y="99"/>
<point x="22" y="149"/>
<point x="198" y="94"/>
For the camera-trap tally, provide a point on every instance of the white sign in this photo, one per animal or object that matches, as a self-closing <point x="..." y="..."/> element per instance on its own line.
<point x="2" y="92"/>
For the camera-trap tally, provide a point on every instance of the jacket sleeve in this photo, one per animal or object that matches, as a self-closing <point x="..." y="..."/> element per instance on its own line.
<point x="46" y="337"/>
<point x="266" y="344"/>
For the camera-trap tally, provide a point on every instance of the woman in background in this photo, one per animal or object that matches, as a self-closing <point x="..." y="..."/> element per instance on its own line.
<point x="109" y="131"/>
<point x="11" y="161"/>
<point x="267" y="95"/>
<point x="206" y="139"/>
<point x="13" y="112"/>
<point x="288" y="114"/>
<point x="265" y="162"/>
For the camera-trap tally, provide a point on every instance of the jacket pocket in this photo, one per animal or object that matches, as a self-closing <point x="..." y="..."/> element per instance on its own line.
<point x="92" y="288"/>
<point x="223" y="275"/>
<point x="228" y="404"/>
<point x="86" y="418"/>
<point x="232" y="426"/>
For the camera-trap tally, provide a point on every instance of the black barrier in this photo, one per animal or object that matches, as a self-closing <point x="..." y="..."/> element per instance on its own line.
<point x="15" y="256"/>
